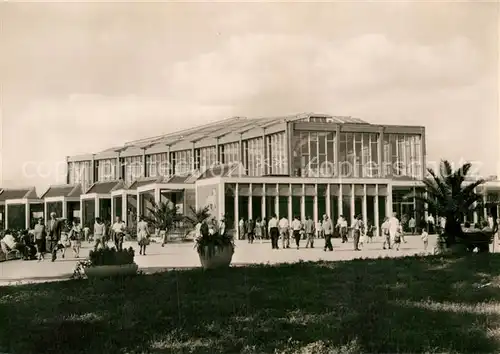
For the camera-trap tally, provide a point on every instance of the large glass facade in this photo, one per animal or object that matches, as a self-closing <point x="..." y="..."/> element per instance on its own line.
<point x="208" y="157"/>
<point x="183" y="162"/>
<point x="358" y="155"/>
<point x="277" y="156"/>
<point x="229" y="153"/>
<point x="80" y="172"/>
<point x="106" y="170"/>
<point x="133" y="168"/>
<point x="404" y="155"/>
<point x="157" y="165"/>
<point x="314" y="154"/>
<point x="252" y="158"/>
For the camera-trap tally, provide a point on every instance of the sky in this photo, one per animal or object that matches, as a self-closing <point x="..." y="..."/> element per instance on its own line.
<point x="82" y="77"/>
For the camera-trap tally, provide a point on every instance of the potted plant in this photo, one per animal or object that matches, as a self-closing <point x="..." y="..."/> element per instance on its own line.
<point x="214" y="249"/>
<point x="163" y="217"/>
<point x="107" y="262"/>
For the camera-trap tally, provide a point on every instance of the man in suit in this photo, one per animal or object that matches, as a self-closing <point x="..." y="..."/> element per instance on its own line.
<point x="54" y="228"/>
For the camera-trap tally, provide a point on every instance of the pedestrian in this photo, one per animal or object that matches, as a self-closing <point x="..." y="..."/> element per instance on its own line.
<point x="296" y="228"/>
<point x="328" y="233"/>
<point x="99" y="233"/>
<point x="425" y="238"/>
<point x="284" y="232"/>
<point x="40" y="234"/>
<point x="258" y="230"/>
<point x="241" y="229"/>
<point x="273" y="232"/>
<point x="397" y="238"/>
<point x="54" y="230"/>
<point x="119" y="233"/>
<point x="386" y="234"/>
<point x="75" y="237"/>
<point x="357" y="228"/>
<point x="86" y="233"/>
<point x="342" y="226"/>
<point x="319" y="230"/>
<point x="369" y="232"/>
<point x="143" y="235"/>
<point x="412" y="225"/>
<point x="394" y="227"/>
<point x="309" y="231"/>
<point x="250" y="230"/>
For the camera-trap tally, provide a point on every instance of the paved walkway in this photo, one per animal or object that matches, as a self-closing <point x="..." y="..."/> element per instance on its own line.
<point x="182" y="255"/>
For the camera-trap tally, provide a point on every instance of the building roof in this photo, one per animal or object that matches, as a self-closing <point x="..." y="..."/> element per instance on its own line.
<point x="223" y="127"/>
<point x="224" y="170"/>
<point x="144" y="181"/>
<point x="105" y="187"/>
<point x="18" y="193"/>
<point x="63" y="190"/>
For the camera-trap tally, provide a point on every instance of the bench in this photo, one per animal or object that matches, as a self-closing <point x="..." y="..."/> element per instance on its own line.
<point x="476" y="239"/>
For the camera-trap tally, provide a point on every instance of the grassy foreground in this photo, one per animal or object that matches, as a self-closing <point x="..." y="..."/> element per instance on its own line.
<point x="415" y="304"/>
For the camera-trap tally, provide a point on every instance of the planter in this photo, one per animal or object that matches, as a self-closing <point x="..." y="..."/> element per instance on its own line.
<point x="220" y="258"/>
<point x="105" y="271"/>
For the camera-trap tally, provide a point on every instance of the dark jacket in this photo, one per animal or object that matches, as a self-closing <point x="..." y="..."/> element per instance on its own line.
<point x="54" y="233"/>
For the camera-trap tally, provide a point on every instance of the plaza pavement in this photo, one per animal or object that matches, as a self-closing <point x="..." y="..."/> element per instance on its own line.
<point x="183" y="255"/>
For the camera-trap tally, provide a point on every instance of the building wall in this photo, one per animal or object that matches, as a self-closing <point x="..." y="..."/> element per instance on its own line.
<point x="208" y="196"/>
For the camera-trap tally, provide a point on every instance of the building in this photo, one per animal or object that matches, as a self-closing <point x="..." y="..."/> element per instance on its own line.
<point x="306" y="164"/>
<point x="303" y="165"/>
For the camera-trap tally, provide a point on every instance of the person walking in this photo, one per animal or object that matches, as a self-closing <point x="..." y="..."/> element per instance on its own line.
<point x="327" y="228"/>
<point x="385" y="234"/>
<point x="319" y="229"/>
<point x="75" y="237"/>
<point x="250" y="230"/>
<point x="118" y="233"/>
<point x="273" y="232"/>
<point x="54" y="230"/>
<point x="412" y="224"/>
<point x="310" y="231"/>
<point x="357" y="228"/>
<point x="241" y="229"/>
<point x="99" y="233"/>
<point x="342" y="226"/>
<point x="143" y="235"/>
<point x="284" y="232"/>
<point x="296" y="228"/>
<point x="394" y="226"/>
<point x="40" y="234"/>
<point x="258" y="230"/>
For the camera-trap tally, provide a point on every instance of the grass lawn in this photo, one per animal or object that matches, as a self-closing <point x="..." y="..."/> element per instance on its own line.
<point x="414" y="304"/>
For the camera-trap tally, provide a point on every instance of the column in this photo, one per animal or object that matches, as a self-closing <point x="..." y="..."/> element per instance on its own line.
<point x="45" y="212"/>
<point x="277" y="202"/>
<point x="81" y="212"/>
<point x="336" y="152"/>
<point x="64" y="209"/>
<point x="315" y="208"/>
<point x="113" y="207"/>
<point x="328" y="201"/>
<point x="6" y="223"/>
<point x="263" y="200"/>
<point x="124" y="215"/>
<point x="139" y="205"/>
<point x="380" y="143"/>
<point x="67" y="169"/>
<point x="96" y="207"/>
<point x="388" y="203"/>
<point x="377" y="216"/>
<point x="27" y="215"/>
<point x="303" y="203"/>
<point x="353" y="205"/>
<point x="250" y="203"/>
<point x="339" y="204"/>
<point x="364" y="208"/>
<point x="290" y="211"/>
<point x="237" y="211"/>
<point x="263" y="154"/>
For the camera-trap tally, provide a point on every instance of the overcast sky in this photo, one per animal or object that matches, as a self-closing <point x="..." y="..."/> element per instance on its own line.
<point x="80" y="78"/>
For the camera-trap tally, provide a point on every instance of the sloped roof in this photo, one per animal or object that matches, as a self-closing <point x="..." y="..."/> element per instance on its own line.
<point x="63" y="190"/>
<point x="223" y="170"/>
<point x="144" y="181"/>
<point x="18" y="193"/>
<point x="104" y="187"/>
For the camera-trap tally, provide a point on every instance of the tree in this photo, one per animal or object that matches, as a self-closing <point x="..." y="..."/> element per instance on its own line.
<point x="450" y="197"/>
<point x="197" y="215"/>
<point x="163" y="215"/>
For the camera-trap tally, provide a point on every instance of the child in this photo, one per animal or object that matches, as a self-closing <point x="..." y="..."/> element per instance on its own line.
<point x="397" y="238"/>
<point x="425" y="238"/>
<point x="369" y="232"/>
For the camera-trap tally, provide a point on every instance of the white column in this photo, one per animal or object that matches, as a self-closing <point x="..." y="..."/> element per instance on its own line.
<point x="377" y="216"/>
<point x="340" y="208"/>
<point x="364" y="207"/>
<point x="81" y="212"/>
<point x="45" y="216"/>
<point x="315" y="208"/>
<point x="124" y="215"/>
<point x="277" y="202"/>
<point x="27" y="215"/>
<point x="263" y="202"/>
<point x="328" y="201"/>
<point x="250" y="203"/>
<point x="96" y="207"/>
<point x="415" y="206"/>
<point x="303" y="203"/>
<point x="237" y="211"/>
<point x="290" y="211"/>
<point x="6" y="223"/>
<point x="353" y="204"/>
<point x="64" y="209"/>
<point x="139" y="206"/>
<point x="113" y="207"/>
<point x="157" y="196"/>
<point x="475" y="216"/>
<point x="388" y="203"/>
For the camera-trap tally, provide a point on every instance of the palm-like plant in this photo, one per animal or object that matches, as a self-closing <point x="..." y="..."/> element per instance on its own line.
<point x="162" y="215"/>
<point x="197" y="215"/>
<point x="448" y="195"/>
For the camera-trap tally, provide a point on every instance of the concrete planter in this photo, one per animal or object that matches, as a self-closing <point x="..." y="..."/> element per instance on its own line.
<point x="220" y="258"/>
<point x="106" y="271"/>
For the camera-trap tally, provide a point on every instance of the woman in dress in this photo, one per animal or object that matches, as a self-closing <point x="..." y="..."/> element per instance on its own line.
<point x="99" y="232"/>
<point x="76" y="238"/>
<point x="142" y="235"/>
<point x="39" y="233"/>
<point x="258" y="229"/>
